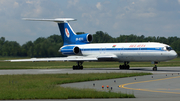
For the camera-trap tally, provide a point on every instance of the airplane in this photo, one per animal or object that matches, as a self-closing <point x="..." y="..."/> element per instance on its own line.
<point x="79" y="48"/>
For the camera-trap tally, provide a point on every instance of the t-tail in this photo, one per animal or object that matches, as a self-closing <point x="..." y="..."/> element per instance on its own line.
<point x="67" y="33"/>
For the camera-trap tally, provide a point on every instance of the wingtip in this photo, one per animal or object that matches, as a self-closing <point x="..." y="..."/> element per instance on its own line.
<point x="26" y="18"/>
<point x="5" y="60"/>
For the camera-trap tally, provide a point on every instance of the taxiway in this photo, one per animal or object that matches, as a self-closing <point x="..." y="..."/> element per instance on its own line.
<point x="90" y="70"/>
<point x="163" y="85"/>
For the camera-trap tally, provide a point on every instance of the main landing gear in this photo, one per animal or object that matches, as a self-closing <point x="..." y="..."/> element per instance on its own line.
<point x="78" y="66"/>
<point x="155" y="67"/>
<point x="125" y="66"/>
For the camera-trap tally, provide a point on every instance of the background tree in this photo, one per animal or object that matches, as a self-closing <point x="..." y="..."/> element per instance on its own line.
<point x="48" y="47"/>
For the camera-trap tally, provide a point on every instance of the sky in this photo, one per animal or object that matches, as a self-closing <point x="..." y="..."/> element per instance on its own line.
<point x="115" y="17"/>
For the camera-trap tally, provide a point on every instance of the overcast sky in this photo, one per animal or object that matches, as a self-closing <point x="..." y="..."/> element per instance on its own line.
<point x="116" y="17"/>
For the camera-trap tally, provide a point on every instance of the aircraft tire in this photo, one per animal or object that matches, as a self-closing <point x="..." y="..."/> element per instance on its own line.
<point x="154" y="68"/>
<point x="77" y="67"/>
<point x="81" y="67"/>
<point x="120" y="67"/>
<point x="124" y="67"/>
<point x="74" y="67"/>
<point x="127" y="67"/>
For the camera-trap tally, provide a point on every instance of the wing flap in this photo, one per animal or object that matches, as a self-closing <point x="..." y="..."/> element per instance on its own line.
<point x="107" y="58"/>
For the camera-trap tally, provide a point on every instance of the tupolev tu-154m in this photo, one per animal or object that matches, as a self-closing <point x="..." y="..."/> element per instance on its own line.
<point x="79" y="48"/>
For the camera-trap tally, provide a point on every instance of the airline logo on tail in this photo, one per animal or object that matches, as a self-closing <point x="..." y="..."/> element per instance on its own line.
<point x="67" y="32"/>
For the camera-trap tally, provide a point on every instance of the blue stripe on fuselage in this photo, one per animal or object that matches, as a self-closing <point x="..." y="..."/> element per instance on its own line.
<point x="127" y="49"/>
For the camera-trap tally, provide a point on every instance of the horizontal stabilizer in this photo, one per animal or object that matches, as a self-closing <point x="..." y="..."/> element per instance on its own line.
<point x="58" y="20"/>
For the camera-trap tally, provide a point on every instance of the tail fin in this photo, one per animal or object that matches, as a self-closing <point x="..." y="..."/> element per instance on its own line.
<point x="67" y="33"/>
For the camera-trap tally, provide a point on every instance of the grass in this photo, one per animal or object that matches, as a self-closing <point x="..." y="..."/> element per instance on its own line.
<point x="56" y="65"/>
<point x="44" y="86"/>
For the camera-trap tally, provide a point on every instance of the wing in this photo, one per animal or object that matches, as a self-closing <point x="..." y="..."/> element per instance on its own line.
<point x="70" y="58"/>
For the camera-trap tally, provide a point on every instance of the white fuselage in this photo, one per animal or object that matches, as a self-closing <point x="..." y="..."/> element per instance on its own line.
<point x="144" y="51"/>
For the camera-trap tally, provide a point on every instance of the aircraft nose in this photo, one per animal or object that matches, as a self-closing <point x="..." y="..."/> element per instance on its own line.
<point x="173" y="54"/>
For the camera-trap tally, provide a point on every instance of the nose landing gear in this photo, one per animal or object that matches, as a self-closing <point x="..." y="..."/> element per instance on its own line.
<point x="155" y="67"/>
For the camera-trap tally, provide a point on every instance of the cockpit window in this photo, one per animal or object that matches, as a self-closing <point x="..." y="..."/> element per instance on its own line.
<point x="168" y="48"/>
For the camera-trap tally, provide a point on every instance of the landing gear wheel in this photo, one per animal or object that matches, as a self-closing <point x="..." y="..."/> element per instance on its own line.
<point x="74" y="67"/>
<point x="155" y="68"/>
<point x="128" y="67"/>
<point x="81" y="67"/>
<point x="78" y="66"/>
<point x="125" y="66"/>
<point x="120" y="67"/>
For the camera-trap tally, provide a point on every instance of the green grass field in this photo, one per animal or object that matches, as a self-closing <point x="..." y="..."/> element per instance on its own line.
<point x="55" y="65"/>
<point x="46" y="86"/>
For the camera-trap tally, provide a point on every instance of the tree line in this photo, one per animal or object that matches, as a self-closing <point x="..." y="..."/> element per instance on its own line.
<point x="48" y="47"/>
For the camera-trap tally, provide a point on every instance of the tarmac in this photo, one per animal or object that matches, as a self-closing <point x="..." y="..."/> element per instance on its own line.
<point x="90" y="70"/>
<point x="163" y="85"/>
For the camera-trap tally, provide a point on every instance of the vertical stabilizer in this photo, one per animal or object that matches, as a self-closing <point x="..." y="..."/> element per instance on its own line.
<point x="68" y="35"/>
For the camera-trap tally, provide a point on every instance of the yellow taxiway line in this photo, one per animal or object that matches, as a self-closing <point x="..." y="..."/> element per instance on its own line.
<point x="123" y="86"/>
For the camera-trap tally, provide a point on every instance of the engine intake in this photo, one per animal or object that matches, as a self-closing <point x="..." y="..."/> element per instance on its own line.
<point x="70" y="50"/>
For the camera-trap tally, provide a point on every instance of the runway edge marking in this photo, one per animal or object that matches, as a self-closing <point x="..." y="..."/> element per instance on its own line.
<point x="123" y="85"/>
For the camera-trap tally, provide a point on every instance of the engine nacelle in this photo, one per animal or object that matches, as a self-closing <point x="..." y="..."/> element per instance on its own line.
<point x="84" y="38"/>
<point x="70" y="50"/>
